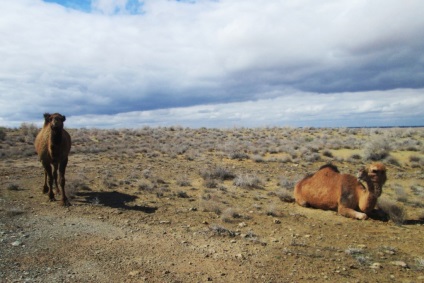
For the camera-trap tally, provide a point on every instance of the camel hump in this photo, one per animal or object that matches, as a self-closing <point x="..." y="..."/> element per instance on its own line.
<point x="330" y="166"/>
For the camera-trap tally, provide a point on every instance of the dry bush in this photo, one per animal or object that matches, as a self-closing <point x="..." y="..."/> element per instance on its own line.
<point x="285" y="195"/>
<point x="74" y="186"/>
<point x="220" y="173"/>
<point x="183" y="181"/>
<point x="395" y="212"/>
<point x="221" y="231"/>
<point x="377" y="149"/>
<point x="211" y="203"/>
<point x="417" y="190"/>
<point x="400" y="193"/>
<point x="248" y="181"/>
<point x="229" y="215"/>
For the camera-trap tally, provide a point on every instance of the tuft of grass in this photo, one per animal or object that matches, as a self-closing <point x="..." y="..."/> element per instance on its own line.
<point x="221" y="231"/>
<point x="13" y="187"/>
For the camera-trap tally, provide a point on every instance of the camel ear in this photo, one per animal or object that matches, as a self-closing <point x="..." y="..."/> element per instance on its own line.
<point x="46" y="118"/>
<point x="64" y="118"/>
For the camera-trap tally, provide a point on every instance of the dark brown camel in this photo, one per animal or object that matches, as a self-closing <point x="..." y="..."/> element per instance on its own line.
<point x="53" y="145"/>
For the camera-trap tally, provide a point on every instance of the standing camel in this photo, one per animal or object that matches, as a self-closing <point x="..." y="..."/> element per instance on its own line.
<point x="53" y="145"/>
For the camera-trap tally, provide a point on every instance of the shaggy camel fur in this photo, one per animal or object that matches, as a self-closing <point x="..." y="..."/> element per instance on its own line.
<point x="330" y="190"/>
<point x="53" y="144"/>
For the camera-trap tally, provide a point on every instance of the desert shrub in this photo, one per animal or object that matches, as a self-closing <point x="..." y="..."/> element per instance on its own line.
<point x="313" y="157"/>
<point x="239" y="155"/>
<point x="414" y="158"/>
<point x="218" y="172"/>
<point x="417" y="190"/>
<point x="211" y="205"/>
<point x="395" y="212"/>
<point x="29" y="129"/>
<point x="285" y="195"/>
<point x="257" y="158"/>
<point x="221" y="231"/>
<point x="182" y="194"/>
<point x="210" y="183"/>
<point x="2" y="134"/>
<point x="13" y="187"/>
<point x="355" y="157"/>
<point x="416" y="161"/>
<point x="229" y="214"/>
<point x="392" y="161"/>
<point x="248" y="181"/>
<point x="146" y="187"/>
<point x="420" y="262"/>
<point x="183" y="181"/>
<point x="400" y="193"/>
<point x="377" y="149"/>
<point x="286" y="183"/>
<point x="74" y="186"/>
<point x="327" y="153"/>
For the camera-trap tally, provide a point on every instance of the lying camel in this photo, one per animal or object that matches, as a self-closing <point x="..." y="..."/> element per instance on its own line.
<point x="330" y="190"/>
<point x="53" y="145"/>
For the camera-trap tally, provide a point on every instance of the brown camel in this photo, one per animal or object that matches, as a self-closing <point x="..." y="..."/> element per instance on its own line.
<point x="330" y="190"/>
<point x="53" y="145"/>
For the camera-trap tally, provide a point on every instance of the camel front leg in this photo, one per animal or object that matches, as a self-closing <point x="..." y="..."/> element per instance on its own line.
<point x="45" y="187"/>
<point x="62" y="181"/>
<point x="349" y="212"/>
<point x="49" y="174"/>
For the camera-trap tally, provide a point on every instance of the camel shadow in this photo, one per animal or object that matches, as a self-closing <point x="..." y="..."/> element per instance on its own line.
<point x="380" y="215"/>
<point x="114" y="200"/>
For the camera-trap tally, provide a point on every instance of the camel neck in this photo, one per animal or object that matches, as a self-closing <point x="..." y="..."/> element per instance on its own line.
<point x="373" y="191"/>
<point x="56" y="136"/>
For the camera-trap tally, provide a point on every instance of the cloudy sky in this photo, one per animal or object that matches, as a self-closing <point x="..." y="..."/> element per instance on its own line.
<point x="212" y="63"/>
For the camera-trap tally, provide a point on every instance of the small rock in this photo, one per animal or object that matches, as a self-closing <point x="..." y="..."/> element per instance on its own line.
<point x="134" y="273"/>
<point x="242" y="224"/>
<point x="277" y="221"/>
<point x="399" y="263"/>
<point x="16" y="243"/>
<point x="307" y="236"/>
<point x="233" y="241"/>
<point x="240" y="256"/>
<point x="376" y="265"/>
<point x="362" y="246"/>
<point x="165" y="222"/>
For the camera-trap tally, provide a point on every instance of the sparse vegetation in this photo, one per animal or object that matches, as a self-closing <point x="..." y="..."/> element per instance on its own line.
<point x="198" y="198"/>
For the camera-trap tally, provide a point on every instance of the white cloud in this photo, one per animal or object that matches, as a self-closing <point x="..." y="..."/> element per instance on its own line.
<point x="188" y="53"/>
<point x="377" y="108"/>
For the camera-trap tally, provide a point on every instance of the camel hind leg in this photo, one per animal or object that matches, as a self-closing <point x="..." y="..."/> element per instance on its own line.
<point x="62" y="181"/>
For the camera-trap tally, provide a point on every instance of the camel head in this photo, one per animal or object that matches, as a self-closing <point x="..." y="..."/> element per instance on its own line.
<point x="376" y="174"/>
<point x="55" y="120"/>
